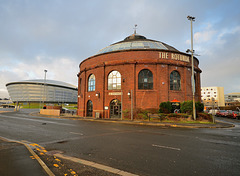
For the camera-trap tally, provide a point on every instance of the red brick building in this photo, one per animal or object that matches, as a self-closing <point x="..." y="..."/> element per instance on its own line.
<point x="138" y="72"/>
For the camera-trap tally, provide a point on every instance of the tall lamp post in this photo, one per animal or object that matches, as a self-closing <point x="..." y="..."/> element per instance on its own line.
<point x="192" y="51"/>
<point x="44" y="91"/>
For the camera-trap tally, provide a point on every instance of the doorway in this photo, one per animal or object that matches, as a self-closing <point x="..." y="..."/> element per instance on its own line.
<point x="115" y="109"/>
<point x="89" y="108"/>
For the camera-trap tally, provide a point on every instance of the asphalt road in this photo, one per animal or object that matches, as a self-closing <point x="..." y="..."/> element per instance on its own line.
<point x="142" y="150"/>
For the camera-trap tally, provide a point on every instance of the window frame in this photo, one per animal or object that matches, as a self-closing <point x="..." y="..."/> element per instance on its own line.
<point x="175" y="81"/>
<point x="91" y="83"/>
<point x="114" y="80"/>
<point x="145" y="79"/>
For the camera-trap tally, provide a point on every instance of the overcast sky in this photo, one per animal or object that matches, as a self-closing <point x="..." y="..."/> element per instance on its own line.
<point x="58" y="34"/>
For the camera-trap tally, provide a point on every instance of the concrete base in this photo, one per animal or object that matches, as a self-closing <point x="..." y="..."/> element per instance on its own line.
<point x="54" y="112"/>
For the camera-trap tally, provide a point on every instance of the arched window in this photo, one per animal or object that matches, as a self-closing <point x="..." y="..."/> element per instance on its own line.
<point x="91" y="83"/>
<point x="145" y="79"/>
<point x="175" y="80"/>
<point x="114" y="80"/>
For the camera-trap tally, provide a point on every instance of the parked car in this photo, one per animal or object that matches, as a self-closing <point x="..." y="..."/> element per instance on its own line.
<point x="222" y="113"/>
<point x="235" y="114"/>
<point x="229" y="113"/>
<point x="65" y="110"/>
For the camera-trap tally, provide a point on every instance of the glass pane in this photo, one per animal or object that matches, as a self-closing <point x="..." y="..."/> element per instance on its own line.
<point x="119" y="86"/>
<point x="118" y="80"/>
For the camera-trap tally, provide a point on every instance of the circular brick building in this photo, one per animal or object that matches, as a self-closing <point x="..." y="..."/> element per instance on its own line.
<point x="134" y="73"/>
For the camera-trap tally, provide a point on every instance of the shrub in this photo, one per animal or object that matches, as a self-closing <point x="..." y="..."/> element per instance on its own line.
<point x="126" y="114"/>
<point x="199" y="106"/>
<point x="187" y="107"/>
<point x="205" y="116"/>
<point x="165" y="107"/>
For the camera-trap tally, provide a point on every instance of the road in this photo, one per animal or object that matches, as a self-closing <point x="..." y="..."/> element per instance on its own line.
<point x="141" y="150"/>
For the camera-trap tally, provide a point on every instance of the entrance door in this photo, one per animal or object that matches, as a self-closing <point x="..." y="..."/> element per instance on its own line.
<point x="89" y="108"/>
<point x="115" y="109"/>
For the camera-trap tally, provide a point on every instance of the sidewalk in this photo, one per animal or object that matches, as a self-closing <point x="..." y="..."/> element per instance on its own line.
<point x="15" y="159"/>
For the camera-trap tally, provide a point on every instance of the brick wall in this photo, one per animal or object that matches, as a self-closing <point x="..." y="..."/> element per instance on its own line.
<point x="129" y="64"/>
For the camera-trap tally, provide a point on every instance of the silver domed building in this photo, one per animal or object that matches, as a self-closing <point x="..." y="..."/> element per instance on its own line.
<point x="49" y="91"/>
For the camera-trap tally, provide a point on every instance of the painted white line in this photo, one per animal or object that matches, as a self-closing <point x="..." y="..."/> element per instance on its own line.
<point x="166" y="147"/>
<point x="95" y="165"/>
<point x="36" y="120"/>
<point x="76" y="133"/>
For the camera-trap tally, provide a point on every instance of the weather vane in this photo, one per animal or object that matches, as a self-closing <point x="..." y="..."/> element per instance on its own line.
<point x="135" y="29"/>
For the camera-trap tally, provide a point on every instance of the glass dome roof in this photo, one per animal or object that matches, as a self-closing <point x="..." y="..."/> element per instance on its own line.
<point x="136" y="41"/>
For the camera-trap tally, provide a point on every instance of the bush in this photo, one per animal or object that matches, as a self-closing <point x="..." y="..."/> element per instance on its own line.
<point x="126" y="114"/>
<point x="165" y="107"/>
<point x="199" y="106"/>
<point x="187" y="107"/>
<point x="205" y="116"/>
<point x="141" y="114"/>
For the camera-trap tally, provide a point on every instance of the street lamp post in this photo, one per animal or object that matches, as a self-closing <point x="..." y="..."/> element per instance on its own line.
<point x="44" y="91"/>
<point x="192" y="51"/>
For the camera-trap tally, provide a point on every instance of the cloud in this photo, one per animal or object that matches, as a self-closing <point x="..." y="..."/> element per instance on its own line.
<point x="222" y="65"/>
<point x="57" y="35"/>
<point x="61" y="69"/>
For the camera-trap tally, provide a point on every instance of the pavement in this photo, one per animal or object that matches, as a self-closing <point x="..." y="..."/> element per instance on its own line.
<point x="17" y="159"/>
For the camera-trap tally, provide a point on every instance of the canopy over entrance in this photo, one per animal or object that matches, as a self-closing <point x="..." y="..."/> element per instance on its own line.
<point x="175" y="101"/>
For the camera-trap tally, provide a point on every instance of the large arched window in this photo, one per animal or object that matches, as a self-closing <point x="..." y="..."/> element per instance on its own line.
<point x="114" y="80"/>
<point x="175" y="80"/>
<point x="145" y="79"/>
<point x="91" y="83"/>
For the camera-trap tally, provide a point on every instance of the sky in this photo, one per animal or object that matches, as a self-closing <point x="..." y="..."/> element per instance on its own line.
<point x="57" y="35"/>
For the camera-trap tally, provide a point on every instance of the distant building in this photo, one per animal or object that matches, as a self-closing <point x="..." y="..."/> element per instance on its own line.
<point x="50" y="91"/>
<point x="213" y="96"/>
<point x="232" y="99"/>
<point x="4" y="101"/>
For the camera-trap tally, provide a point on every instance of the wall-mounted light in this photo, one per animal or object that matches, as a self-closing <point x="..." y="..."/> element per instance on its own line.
<point x="97" y="94"/>
<point x="129" y="94"/>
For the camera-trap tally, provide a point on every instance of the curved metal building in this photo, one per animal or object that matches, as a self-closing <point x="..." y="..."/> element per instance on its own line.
<point x="38" y="90"/>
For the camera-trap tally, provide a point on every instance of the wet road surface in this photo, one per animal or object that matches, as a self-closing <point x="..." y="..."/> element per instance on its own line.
<point x="142" y="150"/>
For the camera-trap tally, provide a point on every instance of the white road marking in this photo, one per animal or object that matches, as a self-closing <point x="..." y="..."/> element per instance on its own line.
<point x="37" y="120"/>
<point x="76" y="133"/>
<point x="166" y="147"/>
